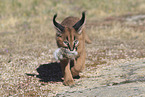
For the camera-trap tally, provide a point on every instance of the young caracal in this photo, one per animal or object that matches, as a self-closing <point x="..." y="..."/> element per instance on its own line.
<point x="70" y="34"/>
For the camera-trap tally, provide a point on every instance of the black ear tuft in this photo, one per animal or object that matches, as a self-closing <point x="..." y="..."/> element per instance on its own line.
<point x="58" y="26"/>
<point x="54" y="17"/>
<point x="78" y="26"/>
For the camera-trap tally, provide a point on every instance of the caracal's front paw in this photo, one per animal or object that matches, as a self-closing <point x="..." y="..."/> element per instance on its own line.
<point x="69" y="82"/>
<point x="74" y="72"/>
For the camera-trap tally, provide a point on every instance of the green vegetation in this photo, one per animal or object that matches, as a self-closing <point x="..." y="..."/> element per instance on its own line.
<point x="27" y="38"/>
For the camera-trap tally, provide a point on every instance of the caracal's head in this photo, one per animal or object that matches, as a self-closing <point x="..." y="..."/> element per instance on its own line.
<point x="69" y="36"/>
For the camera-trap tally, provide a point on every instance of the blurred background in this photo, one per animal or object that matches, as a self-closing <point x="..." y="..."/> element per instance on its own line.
<point x="30" y="22"/>
<point x="27" y="35"/>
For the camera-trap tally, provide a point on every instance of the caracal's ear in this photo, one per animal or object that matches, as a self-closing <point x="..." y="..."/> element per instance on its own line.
<point x="58" y="26"/>
<point x="78" y="26"/>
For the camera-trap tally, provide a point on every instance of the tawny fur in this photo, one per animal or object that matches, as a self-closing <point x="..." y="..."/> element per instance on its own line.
<point x="71" y="68"/>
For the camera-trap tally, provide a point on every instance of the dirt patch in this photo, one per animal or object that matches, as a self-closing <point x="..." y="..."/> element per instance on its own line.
<point x="137" y="22"/>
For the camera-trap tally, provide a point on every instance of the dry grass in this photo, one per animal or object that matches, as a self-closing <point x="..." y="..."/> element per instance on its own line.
<point x="27" y="38"/>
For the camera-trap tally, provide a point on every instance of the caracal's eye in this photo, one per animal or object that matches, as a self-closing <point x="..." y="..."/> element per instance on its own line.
<point x="76" y="42"/>
<point x="66" y="43"/>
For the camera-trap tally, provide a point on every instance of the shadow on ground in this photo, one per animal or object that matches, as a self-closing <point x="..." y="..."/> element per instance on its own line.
<point x="50" y="72"/>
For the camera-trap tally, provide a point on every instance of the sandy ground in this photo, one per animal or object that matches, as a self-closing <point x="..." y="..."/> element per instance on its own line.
<point x="120" y="80"/>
